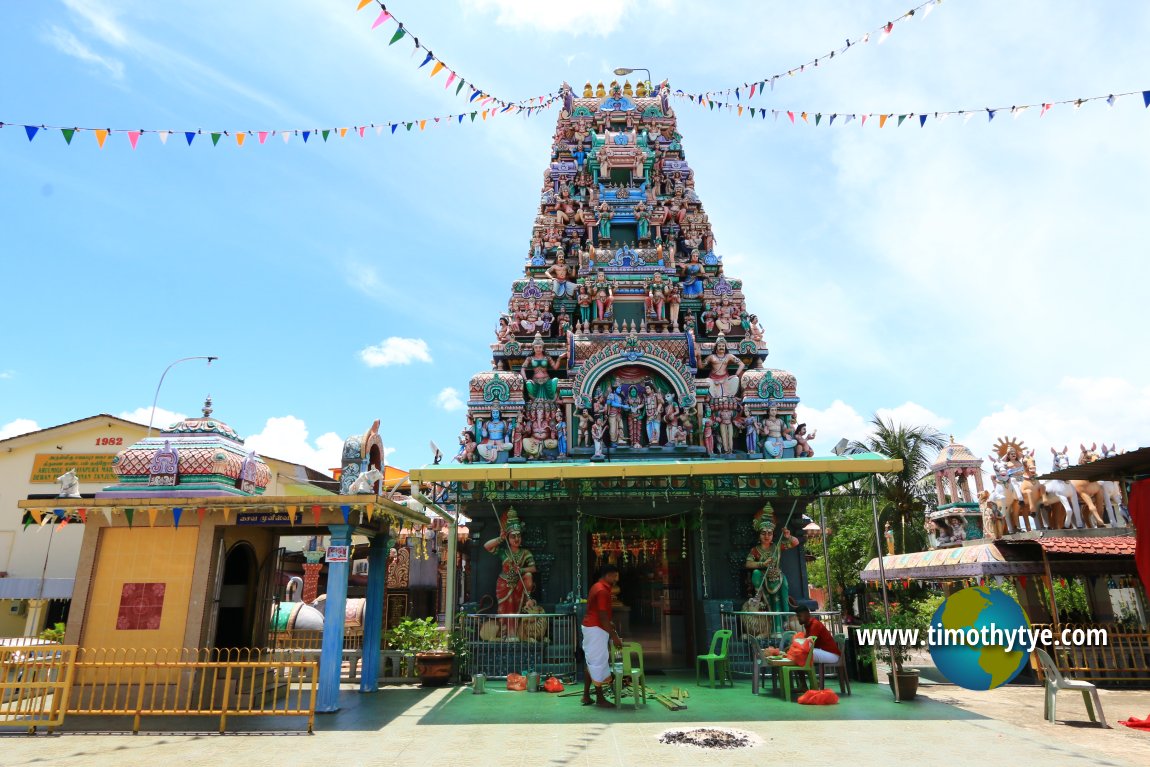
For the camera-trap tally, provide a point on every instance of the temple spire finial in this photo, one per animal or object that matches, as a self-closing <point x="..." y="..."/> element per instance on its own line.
<point x="208" y="406"/>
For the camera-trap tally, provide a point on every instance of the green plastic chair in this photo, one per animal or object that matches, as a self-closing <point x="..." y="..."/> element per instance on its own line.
<point x="716" y="660"/>
<point x="807" y="669"/>
<point x="629" y="658"/>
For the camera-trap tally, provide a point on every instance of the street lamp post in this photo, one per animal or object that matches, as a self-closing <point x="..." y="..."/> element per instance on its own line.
<point x="628" y="70"/>
<point x="161" y="383"/>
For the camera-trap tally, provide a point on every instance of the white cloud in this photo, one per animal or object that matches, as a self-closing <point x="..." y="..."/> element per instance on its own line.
<point x="600" y="17"/>
<point x="67" y="43"/>
<point x="913" y="414"/>
<point x="840" y="420"/>
<point x="162" y="420"/>
<point x="449" y="400"/>
<point x="396" y="351"/>
<point x="18" y="427"/>
<point x="100" y="19"/>
<point x="7" y="375"/>
<point x="286" y="438"/>
<point x="1079" y="411"/>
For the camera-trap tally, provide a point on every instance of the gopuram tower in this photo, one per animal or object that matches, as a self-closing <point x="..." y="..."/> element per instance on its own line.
<point x="629" y="415"/>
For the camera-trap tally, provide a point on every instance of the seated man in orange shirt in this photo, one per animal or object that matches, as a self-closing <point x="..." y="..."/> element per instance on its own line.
<point x="826" y="650"/>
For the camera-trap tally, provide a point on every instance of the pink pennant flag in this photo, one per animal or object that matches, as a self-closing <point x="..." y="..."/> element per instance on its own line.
<point x="134" y="137"/>
<point x="450" y="79"/>
<point x="791" y="115"/>
<point x="1045" y="109"/>
<point x="361" y="130"/>
<point x="753" y="90"/>
<point x="383" y="16"/>
<point x="163" y="135"/>
<point x="263" y="135"/>
<point x="863" y="119"/>
<point x="885" y="32"/>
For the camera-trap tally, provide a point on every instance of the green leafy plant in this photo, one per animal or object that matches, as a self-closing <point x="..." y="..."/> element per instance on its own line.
<point x="53" y="634"/>
<point x="414" y="635"/>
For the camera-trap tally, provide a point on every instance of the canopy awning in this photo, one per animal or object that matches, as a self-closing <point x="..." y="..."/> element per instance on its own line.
<point x="826" y="472"/>
<point x="961" y="562"/>
<point x="36" y="588"/>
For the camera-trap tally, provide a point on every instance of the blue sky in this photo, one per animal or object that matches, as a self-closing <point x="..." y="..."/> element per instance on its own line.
<point x="986" y="277"/>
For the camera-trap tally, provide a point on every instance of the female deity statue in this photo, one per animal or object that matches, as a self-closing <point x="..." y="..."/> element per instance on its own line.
<point x="673" y="299"/>
<point x="583" y="439"/>
<point x="652" y="408"/>
<point x="777" y="436"/>
<point x="642" y="222"/>
<point x="751" y="424"/>
<point x="708" y="431"/>
<point x="635" y="416"/>
<point x="536" y="370"/>
<point x="708" y="318"/>
<point x="658" y="219"/>
<point x="560" y="430"/>
<point x="517" y="573"/>
<point x="604" y="221"/>
<point x="503" y="333"/>
<point x="517" y="438"/>
<point x="724" y="316"/>
<point x="583" y="300"/>
<point x="691" y="276"/>
<point x="723" y="384"/>
<point x="771" y="591"/>
<point x="656" y="298"/>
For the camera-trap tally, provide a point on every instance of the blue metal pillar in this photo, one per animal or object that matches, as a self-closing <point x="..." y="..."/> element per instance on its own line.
<point x="331" y="655"/>
<point x="373" y="613"/>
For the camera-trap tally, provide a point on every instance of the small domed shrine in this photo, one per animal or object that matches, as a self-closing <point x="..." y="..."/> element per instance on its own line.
<point x="957" y="517"/>
<point x="195" y="457"/>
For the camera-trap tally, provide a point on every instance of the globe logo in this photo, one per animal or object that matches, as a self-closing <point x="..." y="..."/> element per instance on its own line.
<point x="969" y="638"/>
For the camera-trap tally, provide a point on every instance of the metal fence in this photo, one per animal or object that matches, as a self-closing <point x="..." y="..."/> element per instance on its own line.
<point x="306" y="645"/>
<point x="35" y="680"/>
<point x="1123" y="660"/>
<point x="519" y="643"/>
<point x="752" y="631"/>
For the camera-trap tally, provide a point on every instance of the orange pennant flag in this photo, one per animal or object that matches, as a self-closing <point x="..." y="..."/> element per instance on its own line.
<point x="882" y="120"/>
<point x="740" y="110"/>
<point x="240" y="138"/>
<point x="291" y="515"/>
<point x="804" y="116"/>
<point x="83" y="515"/>
<point x="422" y="124"/>
<point x="227" y="514"/>
<point x="484" y="114"/>
<point x="363" y="4"/>
<point x="343" y="132"/>
<point x="437" y="68"/>
<point x="152" y="517"/>
<point x="101" y="137"/>
<point x="36" y="515"/>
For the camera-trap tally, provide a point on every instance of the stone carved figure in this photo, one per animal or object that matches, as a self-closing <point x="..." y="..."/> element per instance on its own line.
<point x="777" y="435"/>
<point x="635" y="416"/>
<point x="495" y="432"/>
<point x="652" y="409"/>
<point x="718" y="362"/>
<point x="598" y="431"/>
<point x="516" y="578"/>
<point x="562" y="278"/>
<point x="772" y="593"/>
<point x="803" y="447"/>
<point x="615" y="409"/>
<point x="584" y="436"/>
<point x="536" y="372"/>
<point x="69" y="484"/>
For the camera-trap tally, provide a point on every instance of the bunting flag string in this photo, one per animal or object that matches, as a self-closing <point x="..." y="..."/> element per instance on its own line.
<point x="135" y="135"/>
<point x="452" y="75"/>
<point x="762" y="83"/>
<point x="813" y="118"/>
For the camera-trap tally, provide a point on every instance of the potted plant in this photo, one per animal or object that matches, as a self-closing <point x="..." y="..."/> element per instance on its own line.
<point x="430" y="645"/>
<point x="896" y="655"/>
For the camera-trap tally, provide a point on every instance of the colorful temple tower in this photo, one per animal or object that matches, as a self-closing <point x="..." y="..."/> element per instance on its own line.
<point x="629" y="414"/>
<point x="958" y="517"/>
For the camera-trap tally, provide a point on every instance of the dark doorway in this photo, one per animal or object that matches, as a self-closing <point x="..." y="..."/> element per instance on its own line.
<point x="237" y="593"/>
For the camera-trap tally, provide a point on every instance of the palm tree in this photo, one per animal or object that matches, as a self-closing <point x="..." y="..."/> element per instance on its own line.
<point x="903" y="497"/>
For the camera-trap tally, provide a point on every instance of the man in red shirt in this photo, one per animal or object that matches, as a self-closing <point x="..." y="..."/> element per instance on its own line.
<point x="598" y="632"/>
<point x="826" y="650"/>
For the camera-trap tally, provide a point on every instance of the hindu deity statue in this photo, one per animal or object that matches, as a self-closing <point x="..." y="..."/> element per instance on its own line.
<point x="616" y="406"/>
<point x="536" y="370"/>
<point x="467" y="446"/>
<point x="604" y="222"/>
<point x="726" y="408"/>
<point x="495" y="432"/>
<point x="718" y="363"/>
<point x="673" y="300"/>
<point x="771" y="590"/>
<point x="598" y="432"/>
<point x="691" y="276"/>
<point x="516" y="578"/>
<point x="584" y="429"/>
<point x="560" y="431"/>
<point x="583" y="301"/>
<point x="776" y="434"/>
<point x="708" y="425"/>
<point x="652" y="409"/>
<point x="802" y="442"/>
<point x="754" y="330"/>
<point x="751" y="425"/>
<point x="642" y="222"/>
<point x="656" y="298"/>
<point x="540" y="434"/>
<point x="504" y="333"/>
<point x="562" y="277"/>
<point x="635" y="416"/>
<point x="604" y="296"/>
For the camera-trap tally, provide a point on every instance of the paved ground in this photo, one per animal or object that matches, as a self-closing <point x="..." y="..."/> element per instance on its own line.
<point x="453" y="728"/>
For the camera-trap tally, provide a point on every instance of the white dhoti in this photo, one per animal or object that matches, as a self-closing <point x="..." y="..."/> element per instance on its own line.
<point x="597" y="651"/>
<point x="825" y="656"/>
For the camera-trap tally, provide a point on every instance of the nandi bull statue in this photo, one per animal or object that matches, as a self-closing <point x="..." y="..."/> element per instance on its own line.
<point x="365" y="483"/>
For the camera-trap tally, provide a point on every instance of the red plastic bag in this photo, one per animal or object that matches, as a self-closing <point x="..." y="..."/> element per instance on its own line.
<point x="552" y="685"/>
<point x="516" y="682"/>
<point x="819" y="698"/>
<point x="799" y="650"/>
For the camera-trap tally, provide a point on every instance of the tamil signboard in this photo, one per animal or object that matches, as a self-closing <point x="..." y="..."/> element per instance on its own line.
<point x="269" y="517"/>
<point x="90" y="467"/>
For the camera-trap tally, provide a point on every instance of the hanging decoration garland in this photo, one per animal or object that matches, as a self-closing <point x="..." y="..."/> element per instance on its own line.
<point x="438" y="65"/>
<point x="816" y="118"/>
<point x="762" y="83"/>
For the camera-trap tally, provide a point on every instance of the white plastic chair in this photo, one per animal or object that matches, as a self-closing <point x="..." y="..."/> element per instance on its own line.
<point x="1055" y="682"/>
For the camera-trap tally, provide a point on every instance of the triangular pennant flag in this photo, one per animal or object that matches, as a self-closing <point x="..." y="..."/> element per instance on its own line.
<point x="163" y="134"/>
<point x="306" y="136"/>
<point x="792" y="116"/>
<point x="484" y="114"/>
<point x="291" y="515"/>
<point x="227" y="514"/>
<point x="383" y="16"/>
<point x="379" y="130"/>
<point x="752" y="90"/>
<point x="315" y="512"/>
<point x="847" y="119"/>
<point x="133" y="138"/>
<point x="394" y="126"/>
<point x="1146" y="98"/>
<point x="450" y="80"/>
<point x="27" y="521"/>
<point x="216" y="138"/>
<point x="263" y="136"/>
<point x="429" y="58"/>
<point x="343" y="132"/>
<point x="1111" y="99"/>
<point x="129" y="514"/>
<point x="177" y="512"/>
<point x="107" y="514"/>
<point x="361" y="130"/>
<point x="437" y="68"/>
<point x="886" y="32"/>
<point x="966" y="117"/>
<point x="101" y="136"/>
<point x="408" y="125"/>
<point x="473" y="116"/>
<point x="882" y="121"/>
<point x="990" y="114"/>
<point x="63" y="524"/>
<point x="37" y="515"/>
<point x="474" y="95"/>
<point x="460" y="118"/>
<point x="900" y="119"/>
<point x="200" y="513"/>
<point x="240" y="138"/>
<point x="287" y="134"/>
<point x="740" y="110"/>
<point x="399" y="33"/>
<point x="363" y="4"/>
<point x="422" y="124"/>
<point x="862" y="121"/>
<point x="31" y="131"/>
<point x="346" y="510"/>
<point x="68" y="133"/>
<point x="921" y="120"/>
<point x="325" y="134"/>
<point x="152" y="516"/>
<point x="189" y="135"/>
<point x="1046" y="108"/>
<point x="818" y="117"/>
<point x="459" y="87"/>
<point x="83" y="514"/>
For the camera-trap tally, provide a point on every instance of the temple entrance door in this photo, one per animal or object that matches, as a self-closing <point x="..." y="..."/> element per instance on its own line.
<point x="653" y="606"/>
<point x="237" y="597"/>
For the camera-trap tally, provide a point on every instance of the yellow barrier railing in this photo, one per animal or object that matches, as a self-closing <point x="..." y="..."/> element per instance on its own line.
<point x="35" y="681"/>
<point x="1124" y="658"/>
